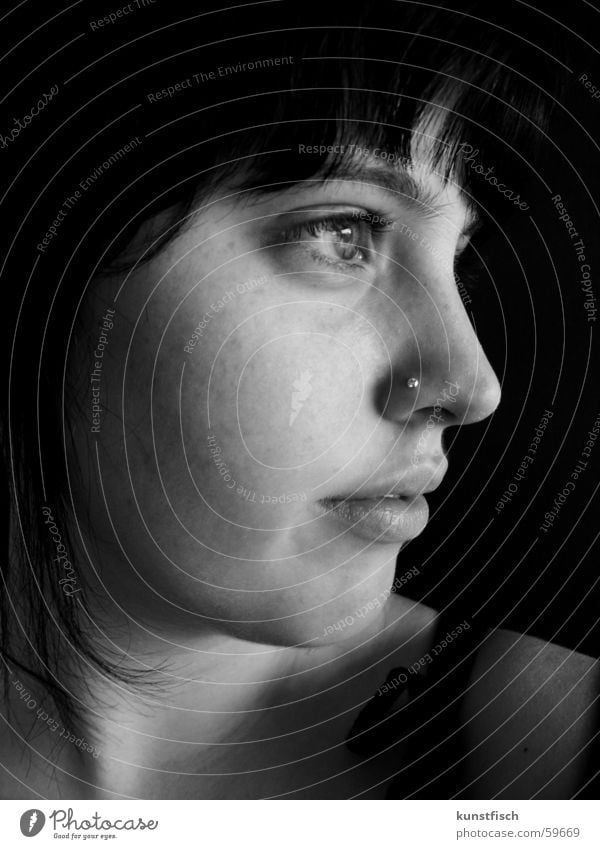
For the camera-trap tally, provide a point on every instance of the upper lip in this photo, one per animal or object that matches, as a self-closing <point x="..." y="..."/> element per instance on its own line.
<point x="410" y="482"/>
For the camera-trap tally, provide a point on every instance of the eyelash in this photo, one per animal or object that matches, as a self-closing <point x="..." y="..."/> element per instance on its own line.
<point x="465" y="262"/>
<point x="334" y="223"/>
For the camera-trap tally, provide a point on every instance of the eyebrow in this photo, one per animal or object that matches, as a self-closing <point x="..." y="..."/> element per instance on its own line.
<point x="400" y="182"/>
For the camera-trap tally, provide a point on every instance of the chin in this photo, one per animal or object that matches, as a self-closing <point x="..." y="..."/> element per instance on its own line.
<point x="352" y="609"/>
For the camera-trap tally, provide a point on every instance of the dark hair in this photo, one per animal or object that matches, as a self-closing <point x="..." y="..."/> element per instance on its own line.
<point x="143" y="122"/>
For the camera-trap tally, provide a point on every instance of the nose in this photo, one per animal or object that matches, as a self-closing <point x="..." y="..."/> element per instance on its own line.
<point x="442" y="351"/>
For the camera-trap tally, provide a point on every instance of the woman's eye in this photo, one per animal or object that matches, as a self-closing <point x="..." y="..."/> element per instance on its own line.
<point x="343" y="242"/>
<point x="338" y="239"/>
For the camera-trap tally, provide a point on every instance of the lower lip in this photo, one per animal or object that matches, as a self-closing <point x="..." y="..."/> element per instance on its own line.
<point x="385" y="520"/>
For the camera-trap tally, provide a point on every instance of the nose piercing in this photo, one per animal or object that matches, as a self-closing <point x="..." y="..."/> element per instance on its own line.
<point x="412" y="382"/>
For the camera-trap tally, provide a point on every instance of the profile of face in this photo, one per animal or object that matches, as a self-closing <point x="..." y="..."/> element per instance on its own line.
<point x="255" y="368"/>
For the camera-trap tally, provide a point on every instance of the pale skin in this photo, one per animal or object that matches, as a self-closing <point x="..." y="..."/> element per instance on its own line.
<point x="233" y="593"/>
<point x="281" y="572"/>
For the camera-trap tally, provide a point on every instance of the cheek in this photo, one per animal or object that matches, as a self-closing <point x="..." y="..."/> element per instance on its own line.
<point x="278" y="400"/>
<point x="268" y="405"/>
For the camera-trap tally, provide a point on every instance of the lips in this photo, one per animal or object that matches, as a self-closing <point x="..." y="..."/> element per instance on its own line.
<point x="393" y="511"/>
<point x="382" y="520"/>
<point x="405" y="484"/>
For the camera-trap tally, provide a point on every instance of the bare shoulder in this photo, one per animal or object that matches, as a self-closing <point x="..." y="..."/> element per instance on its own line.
<point x="530" y="715"/>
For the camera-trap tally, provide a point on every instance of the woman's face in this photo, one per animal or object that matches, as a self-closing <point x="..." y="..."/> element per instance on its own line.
<point x="259" y="365"/>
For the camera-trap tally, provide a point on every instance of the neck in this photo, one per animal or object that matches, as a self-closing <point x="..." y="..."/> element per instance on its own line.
<point x="225" y="717"/>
